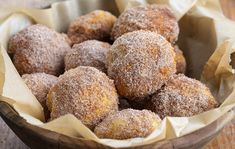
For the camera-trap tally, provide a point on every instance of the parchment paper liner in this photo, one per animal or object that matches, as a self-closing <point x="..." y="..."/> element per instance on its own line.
<point x="205" y="34"/>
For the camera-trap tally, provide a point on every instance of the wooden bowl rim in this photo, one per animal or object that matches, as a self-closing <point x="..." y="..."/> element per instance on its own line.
<point x="201" y="135"/>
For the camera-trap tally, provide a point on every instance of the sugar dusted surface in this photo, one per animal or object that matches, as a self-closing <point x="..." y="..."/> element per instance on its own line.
<point x="158" y="18"/>
<point x="85" y="92"/>
<point x="38" y="49"/>
<point x="140" y="62"/>
<point x="128" y="123"/>
<point x="94" y="25"/>
<point x="88" y="53"/>
<point x="40" y="84"/>
<point x="182" y="96"/>
<point x="180" y="60"/>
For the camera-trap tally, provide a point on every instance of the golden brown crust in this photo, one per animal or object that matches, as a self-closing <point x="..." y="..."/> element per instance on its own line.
<point x="128" y="124"/>
<point x="39" y="84"/>
<point x="182" y="96"/>
<point x="85" y="92"/>
<point x="140" y="62"/>
<point x="94" y="25"/>
<point x="158" y="18"/>
<point x="180" y="60"/>
<point x="38" y="49"/>
<point x="88" y="53"/>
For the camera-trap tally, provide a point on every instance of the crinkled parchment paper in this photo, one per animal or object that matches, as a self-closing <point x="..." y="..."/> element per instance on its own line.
<point x="206" y="37"/>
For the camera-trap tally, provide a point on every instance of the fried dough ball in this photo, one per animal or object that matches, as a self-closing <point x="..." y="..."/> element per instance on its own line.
<point x="38" y="48"/>
<point x="85" y="92"/>
<point x="180" y="60"/>
<point x="94" y="25"/>
<point x="157" y="18"/>
<point x="182" y="96"/>
<point x="140" y="62"/>
<point x="88" y="53"/>
<point x="39" y="84"/>
<point x="127" y="124"/>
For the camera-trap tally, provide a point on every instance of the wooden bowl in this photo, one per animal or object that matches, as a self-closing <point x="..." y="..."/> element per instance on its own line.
<point x="37" y="138"/>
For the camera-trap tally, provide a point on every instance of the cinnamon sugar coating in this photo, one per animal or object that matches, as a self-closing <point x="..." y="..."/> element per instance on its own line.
<point x="39" y="84"/>
<point x="38" y="49"/>
<point x="85" y="92"/>
<point x="157" y="18"/>
<point x="182" y="96"/>
<point x="88" y="53"/>
<point x="94" y="25"/>
<point x="140" y="62"/>
<point x="180" y="60"/>
<point x="127" y="124"/>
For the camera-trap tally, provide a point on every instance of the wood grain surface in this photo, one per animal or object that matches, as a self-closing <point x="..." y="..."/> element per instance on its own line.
<point x="225" y="140"/>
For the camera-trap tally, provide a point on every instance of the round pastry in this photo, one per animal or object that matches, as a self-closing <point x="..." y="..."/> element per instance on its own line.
<point x="127" y="124"/>
<point x="39" y="84"/>
<point x="85" y="92"/>
<point x="88" y="53"/>
<point x="94" y="25"/>
<point x="182" y="96"/>
<point x="180" y="60"/>
<point x="38" y="49"/>
<point x="157" y="18"/>
<point x="140" y="62"/>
